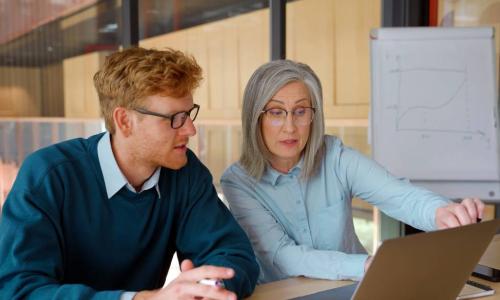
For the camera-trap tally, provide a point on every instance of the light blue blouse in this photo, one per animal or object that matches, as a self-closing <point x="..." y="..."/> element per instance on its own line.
<point x="302" y="228"/>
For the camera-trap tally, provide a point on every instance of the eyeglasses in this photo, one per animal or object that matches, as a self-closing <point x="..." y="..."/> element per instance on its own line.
<point x="177" y="120"/>
<point x="301" y="116"/>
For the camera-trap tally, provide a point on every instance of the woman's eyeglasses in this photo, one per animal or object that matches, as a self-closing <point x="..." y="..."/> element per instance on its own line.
<point x="301" y="116"/>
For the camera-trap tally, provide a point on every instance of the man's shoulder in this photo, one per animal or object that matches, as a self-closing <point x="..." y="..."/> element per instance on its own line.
<point x="194" y="164"/>
<point x="59" y="155"/>
<point x="62" y="151"/>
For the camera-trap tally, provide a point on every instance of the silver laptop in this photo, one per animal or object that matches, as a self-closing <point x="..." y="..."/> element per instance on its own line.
<point x="431" y="265"/>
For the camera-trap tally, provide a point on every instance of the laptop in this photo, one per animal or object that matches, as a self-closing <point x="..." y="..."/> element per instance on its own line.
<point x="430" y="265"/>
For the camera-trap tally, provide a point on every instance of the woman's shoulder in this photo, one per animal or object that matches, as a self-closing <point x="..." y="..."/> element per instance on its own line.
<point x="337" y="152"/>
<point x="235" y="172"/>
<point x="332" y="141"/>
<point x="333" y="145"/>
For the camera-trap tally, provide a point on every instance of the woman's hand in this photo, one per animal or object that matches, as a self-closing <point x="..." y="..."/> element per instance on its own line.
<point x="456" y="214"/>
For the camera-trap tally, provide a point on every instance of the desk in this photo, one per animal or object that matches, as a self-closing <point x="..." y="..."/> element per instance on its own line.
<point x="300" y="286"/>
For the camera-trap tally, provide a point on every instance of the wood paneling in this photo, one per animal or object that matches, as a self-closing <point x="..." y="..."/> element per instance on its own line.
<point x="20" y="92"/>
<point x="331" y="36"/>
<point x="80" y="96"/>
<point x="52" y="93"/>
<point x="228" y="51"/>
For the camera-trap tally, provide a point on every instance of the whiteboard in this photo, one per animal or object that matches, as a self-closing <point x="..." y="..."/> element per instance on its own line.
<point x="435" y="108"/>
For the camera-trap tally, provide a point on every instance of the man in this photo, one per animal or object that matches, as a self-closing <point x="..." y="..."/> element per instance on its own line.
<point x="100" y="218"/>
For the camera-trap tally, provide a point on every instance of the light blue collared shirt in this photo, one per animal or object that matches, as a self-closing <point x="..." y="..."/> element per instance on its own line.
<point x="113" y="176"/>
<point x="114" y="180"/>
<point x="302" y="228"/>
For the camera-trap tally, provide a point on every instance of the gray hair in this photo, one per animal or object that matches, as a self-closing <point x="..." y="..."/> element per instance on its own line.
<point x="265" y="82"/>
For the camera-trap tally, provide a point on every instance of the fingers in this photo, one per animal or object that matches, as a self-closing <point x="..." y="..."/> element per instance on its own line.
<point x="457" y="214"/>
<point x="471" y="208"/>
<point x="210" y="272"/>
<point x="188" y="290"/>
<point x="186" y="265"/>
<point x="187" y="286"/>
<point x="446" y="219"/>
<point x="479" y="206"/>
<point x="206" y="291"/>
<point x="462" y="214"/>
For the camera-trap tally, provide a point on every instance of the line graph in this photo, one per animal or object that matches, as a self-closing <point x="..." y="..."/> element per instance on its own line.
<point x="438" y="104"/>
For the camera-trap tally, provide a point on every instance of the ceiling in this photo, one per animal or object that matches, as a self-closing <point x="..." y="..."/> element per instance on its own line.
<point x="43" y="32"/>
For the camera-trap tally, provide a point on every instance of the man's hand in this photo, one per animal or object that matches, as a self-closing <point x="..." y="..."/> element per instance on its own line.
<point x="457" y="214"/>
<point x="186" y="285"/>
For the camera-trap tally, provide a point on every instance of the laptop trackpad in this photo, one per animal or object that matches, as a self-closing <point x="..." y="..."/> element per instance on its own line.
<point x="341" y="293"/>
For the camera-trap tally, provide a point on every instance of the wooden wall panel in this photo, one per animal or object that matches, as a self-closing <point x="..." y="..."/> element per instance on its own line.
<point x="20" y="92"/>
<point x="196" y="46"/>
<point x="222" y="70"/>
<point x="310" y="39"/>
<point x="74" y="90"/>
<point x="52" y="93"/>
<point x="253" y="46"/>
<point x="228" y="51"/>
<point x="333" y="38"/>
<point x="80" y="96"/>
<point x="353" y="21"/>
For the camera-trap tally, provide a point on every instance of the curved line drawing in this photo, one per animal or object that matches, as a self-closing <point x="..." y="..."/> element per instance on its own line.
<point x="425" y="117"/>
<point x="444" y="104"/>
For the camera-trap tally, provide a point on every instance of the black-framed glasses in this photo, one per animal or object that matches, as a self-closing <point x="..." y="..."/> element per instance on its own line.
<point x="177" y="120"/>
<point x="301" y="116"/>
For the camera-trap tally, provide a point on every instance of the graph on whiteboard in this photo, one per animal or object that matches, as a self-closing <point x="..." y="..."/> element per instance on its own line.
<point x="431" y="107"/>
<point x="437" y="96"/>
<point x="433" y="110"/>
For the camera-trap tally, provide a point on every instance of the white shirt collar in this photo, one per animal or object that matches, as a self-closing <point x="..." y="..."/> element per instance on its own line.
<point x="114" y="179"/>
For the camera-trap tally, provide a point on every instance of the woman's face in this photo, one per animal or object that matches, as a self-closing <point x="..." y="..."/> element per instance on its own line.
<point x="286" y="124"/>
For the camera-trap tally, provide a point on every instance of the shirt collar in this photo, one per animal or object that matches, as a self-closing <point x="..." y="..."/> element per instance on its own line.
<point x="272" y="176"/>
<point x="114" y="179"/>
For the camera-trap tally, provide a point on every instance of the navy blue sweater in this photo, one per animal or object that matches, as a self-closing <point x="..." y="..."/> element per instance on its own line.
<point x="62" y="238"/>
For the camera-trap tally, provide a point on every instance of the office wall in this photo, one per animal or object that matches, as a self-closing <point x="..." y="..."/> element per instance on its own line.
<point x="331" y="36"/>
<point x="20" y="92"/>
<point x="80" y="96"/>
<point x="472" y="13"/>
<point x="228" y="51"/>
<point x="52" y="92"/>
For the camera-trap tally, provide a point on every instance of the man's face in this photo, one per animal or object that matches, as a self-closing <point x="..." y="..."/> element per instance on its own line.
<point x="155" y="141"/>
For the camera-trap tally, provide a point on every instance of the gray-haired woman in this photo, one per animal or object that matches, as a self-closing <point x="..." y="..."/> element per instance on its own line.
<point x="292" y="188"/>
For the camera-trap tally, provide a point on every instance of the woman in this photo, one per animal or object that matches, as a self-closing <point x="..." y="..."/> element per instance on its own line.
<point x="292" y="188"/>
